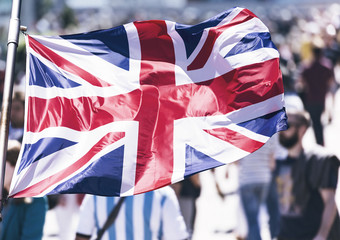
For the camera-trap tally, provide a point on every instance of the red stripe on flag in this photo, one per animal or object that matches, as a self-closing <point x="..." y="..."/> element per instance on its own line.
<point x="65" y="64"/>
<point x="237" y="139"/>
<point x="155" y="139"/>
<point x="247" y="85"/>
<point x="41" y="186"/>
<point x="81" y="114"/>
<point x="203" y="56"/>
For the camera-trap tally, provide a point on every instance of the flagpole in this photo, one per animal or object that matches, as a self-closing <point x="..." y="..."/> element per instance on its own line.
<point x="12" y="45"/>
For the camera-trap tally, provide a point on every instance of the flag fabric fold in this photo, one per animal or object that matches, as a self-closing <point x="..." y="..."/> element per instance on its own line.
<point x="126" y="110"/>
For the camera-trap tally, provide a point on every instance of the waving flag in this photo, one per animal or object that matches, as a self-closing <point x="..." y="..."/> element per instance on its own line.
<point x="133" y="108"/>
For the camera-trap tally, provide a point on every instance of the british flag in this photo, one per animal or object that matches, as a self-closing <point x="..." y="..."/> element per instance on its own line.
<point x="143" y="105"/>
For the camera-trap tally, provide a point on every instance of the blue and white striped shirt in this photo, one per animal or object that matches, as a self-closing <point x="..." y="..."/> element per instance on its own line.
<point x="147" y="216"/>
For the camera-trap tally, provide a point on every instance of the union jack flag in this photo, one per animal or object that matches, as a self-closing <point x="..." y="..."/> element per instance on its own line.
<point x="143" y="105"/>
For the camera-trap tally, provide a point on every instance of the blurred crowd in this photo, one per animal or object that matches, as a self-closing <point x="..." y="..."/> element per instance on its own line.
<point x="308" y="39"/>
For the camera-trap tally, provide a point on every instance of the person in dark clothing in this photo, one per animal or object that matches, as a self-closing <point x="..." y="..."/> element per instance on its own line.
<point x="317" y="79"/>
<point x="306" y="181"/>
<point x="187" y="192"/>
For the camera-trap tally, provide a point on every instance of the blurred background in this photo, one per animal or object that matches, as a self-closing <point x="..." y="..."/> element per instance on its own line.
<point x="295" y="26"/>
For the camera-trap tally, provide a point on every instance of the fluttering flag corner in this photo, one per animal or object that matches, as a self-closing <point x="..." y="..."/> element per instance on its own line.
<point x="130" y="109"/>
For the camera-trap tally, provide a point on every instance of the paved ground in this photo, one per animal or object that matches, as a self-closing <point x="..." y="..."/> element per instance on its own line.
<point x="217" y="218"/>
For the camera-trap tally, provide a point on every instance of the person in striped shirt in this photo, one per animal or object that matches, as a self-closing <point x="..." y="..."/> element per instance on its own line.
<point x="255" y="173"/>
<point x="151" y="215"/>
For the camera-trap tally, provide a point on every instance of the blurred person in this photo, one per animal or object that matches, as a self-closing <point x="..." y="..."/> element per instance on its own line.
<point x="292" y="102"/>
<point x="317" y="78"/>
<point x="306" y="181"/>
<point x="16" y="128"/>
<point x="66" y="208"/>
<point x="2" y="81"/>
<point x="337" y="71"/>
<point x="272" y="204"/>
<point x="187" y="192"/>
<point x="151" y="215"/>
<point x="23" y="218"/>
<point x="255" y="173"/>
